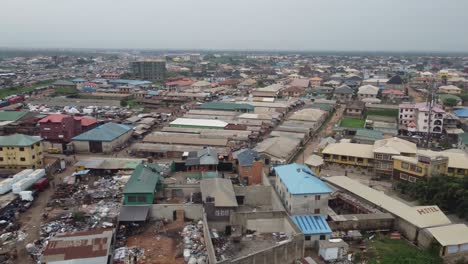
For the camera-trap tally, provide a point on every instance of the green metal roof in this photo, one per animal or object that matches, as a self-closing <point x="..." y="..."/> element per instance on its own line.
<point x="368" y="134"/>
<point x="18" y="140"/>
<point x="11" y="115"/>
<point x="144" y="179"/>
<point x="106" y="132"/>
<point x="324" y="107"/>
<point x="225" y="106"/>
<point x="464" y="138"/>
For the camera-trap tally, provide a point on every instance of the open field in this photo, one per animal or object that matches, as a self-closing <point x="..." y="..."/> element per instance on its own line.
<point x="387" y="251"/>
<point x="352" y="122"/>
<point x="23" y="89"/>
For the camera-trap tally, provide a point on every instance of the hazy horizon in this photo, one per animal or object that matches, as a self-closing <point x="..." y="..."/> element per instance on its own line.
<point x="300" y="25"/>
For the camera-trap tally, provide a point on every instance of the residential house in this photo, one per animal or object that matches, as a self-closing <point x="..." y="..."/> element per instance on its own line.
<point x="19" y="151"/>
<point x="449" y="89"/>
<point x="367" y="136"/>
<point x="355" y="108"/>
<point x="343" y="94"/>
<point x="200" y="85"/>
<point x="301" y="192"/>
<point x="294" y="91"/>
<point x="222" y="106"/>
<point x="219" y="199"/>
<point x="367" y="91"/>
<point x="247" y="84"/>
<point x="277" y="150"/>
<point x="315" y="229"/>
<point x="316" y="82"/>
<point x="378" y="82"/>
<point x="414" y="119"/>
<point x="142" y="186"/>
<point x="104" y="138"/>
<point x="304" y="83"/>
<point x="271" y="91"/>
<point x="385" y="149"/>
<point x="249" y="166"/>
<point x="63" y="84"/>
<point x="463" y="141"/>
<point x="393" y="94"/>
<point x="395" y="83"/>
<point x="204" y="160"/>
<point x="315" y="163"/>
<point x="91" y="246"/>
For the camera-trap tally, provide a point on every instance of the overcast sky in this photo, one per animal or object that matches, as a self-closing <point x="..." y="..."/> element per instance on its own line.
<point x="348" y="25"/>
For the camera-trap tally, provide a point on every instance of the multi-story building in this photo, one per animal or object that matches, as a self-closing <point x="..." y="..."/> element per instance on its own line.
<point x="301" y="192"/>
<point x="414" y="119"/>
<point x="316" y="82"/>
<point x="420" y="167"/>
<point x="154" y="70"/>
<point x="20" y="152"/>
<point x="59" y="128"/>
<point x="384" y="150"/>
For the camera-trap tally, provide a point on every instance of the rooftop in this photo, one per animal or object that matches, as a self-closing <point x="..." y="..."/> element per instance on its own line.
<point x="198" y="122"/>
<point x="18" y="140"/>
<point x="11" y="115"/>
<point x="312" y="224"/>
<point x="219" y="189"/>
<point x="144" y="179"/>
<point x="450" y="235"/>
<point x="350" y="149"/>
<point x="299" y="179"/>
<point x="226" y="106"/>
<point x="106" y="132"/>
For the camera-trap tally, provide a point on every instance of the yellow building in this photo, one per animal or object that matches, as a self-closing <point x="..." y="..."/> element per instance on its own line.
<point x="21" y="152"/>
<point x="415" y="168"/>
<point x="349" y="154"/>
<point x="457" y="160"/>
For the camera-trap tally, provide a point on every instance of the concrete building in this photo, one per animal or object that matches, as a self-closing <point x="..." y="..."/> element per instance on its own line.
<point x="316" y="82"/>
<point x="355" y="108"/>
<point x="198" y="123"/>
<point x="343" y="94"/>
<point x="449" y="89"/>
<point x="277" y="150"/>
<point x="219" y="199"/>
<point x="249" y="166"/>
<point x="349" y="154"/>
<point x="414" y="119"/>
<point x="451" y="239"/>
<point x="59" y="128"/>
<point x="314" y="227"/>
<point x="142" y="185"/>
<point x="384" y="150"/>
<point x="154" y="70"/>
<point x="300" y="190"/>
<point x="90" y="247"/>
<point x="203" y="160"/>
<point x="367" y="91"/>
<point x="21" y="152"/>
<point x="105" y="138"/>
<point x="417" y="168"/>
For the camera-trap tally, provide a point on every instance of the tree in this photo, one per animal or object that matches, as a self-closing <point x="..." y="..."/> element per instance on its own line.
<point x="123" y="102"/>
<point x="450" y="102"/>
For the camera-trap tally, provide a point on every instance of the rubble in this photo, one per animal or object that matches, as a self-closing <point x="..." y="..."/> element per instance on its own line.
<point x="194" y="244"/>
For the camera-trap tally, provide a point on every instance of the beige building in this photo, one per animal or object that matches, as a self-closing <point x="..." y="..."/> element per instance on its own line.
<point x="21" y="152"/>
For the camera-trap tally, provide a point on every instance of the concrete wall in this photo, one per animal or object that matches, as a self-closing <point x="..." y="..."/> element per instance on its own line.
<point x="186" y="189"/>
<point x="81" y="146"/>
<point x="363" y="222"/>
<point x="208" y="242"/>
<point x="108" y="147"/>
<point x="408" y="230"/>
<point x="192" y="211"/>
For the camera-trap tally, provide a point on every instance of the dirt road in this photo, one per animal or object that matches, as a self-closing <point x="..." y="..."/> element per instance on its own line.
<point x="324" y="131"/>
<point x="418" y="97"/>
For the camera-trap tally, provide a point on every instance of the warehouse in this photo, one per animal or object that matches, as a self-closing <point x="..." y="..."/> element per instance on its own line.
<point x="452" y="239"/>
<point x="408" y="220"/>
<point x="105" y="138"/>
<point x="277" y="150"/>
<point x="170" y="150"/>
<point x="198" y="123"/>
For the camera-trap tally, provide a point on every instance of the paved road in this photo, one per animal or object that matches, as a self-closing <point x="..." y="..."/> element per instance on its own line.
<point x="325" y="130"/>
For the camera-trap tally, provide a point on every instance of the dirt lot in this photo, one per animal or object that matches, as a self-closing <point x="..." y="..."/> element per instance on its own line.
<point x="159" y="248"/>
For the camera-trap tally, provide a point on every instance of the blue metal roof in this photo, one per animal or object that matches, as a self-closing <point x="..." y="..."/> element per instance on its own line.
<point x="299" y="179"/>
<point x="106" y="132"/>
<point x="130" y="82"/>
<point x="79" y="80"/>
<point x="312" y="224"/>
<point x="461" y="112"/>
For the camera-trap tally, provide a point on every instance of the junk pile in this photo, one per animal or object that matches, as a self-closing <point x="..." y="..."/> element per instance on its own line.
<point x="194" y="244"/>
<point x="108" y="211"/>
<point x="127" y="255"/>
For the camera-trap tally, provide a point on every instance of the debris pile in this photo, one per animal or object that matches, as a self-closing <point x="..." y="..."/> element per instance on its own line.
<point x="194" y="244"/>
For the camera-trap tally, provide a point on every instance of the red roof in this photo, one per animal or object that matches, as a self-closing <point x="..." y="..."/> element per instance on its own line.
<point x="86" y="121"/>
<point x="53" y="118"/>
<point x="183" y="82"/>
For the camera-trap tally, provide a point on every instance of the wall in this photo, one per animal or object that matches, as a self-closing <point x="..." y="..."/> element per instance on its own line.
<point x="108" y="147"/>
<point x="381" y="221"/>
<point x="148" y="196"/>
<point x="192" y="211"/>
<point x="208" y="241"/>
<point x="408" y="230"/>
<point x="186" y="189"/>
<point x="81" y="146"/>
<point x="254" y="195"/>
<point x="329" y="158"/>
<point x="253" y="173"/>
<point x="10" y="157"/>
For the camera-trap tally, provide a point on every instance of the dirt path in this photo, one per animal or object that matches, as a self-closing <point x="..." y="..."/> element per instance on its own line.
<point x="417" y="96"/>
<point x="31" y="219"/>
<point x="325" y="131"/>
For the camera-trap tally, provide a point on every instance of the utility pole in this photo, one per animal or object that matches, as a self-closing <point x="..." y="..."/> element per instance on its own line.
<point x="430" y="105"/>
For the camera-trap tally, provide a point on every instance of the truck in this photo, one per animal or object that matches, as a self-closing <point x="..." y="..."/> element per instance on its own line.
<point x="41" y="184"/>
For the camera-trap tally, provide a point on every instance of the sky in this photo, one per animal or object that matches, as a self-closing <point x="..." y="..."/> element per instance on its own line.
<point x="306" y="25"/>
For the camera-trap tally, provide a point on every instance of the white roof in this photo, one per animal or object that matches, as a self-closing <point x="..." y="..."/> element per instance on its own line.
<point x="279" y="147"/>
<point x="219" y="189"/>
<point x="449" y="87"/>
<point x="201" y="83"/>
<point x="199" y="122"/>
<point x="350" y="149"/>
<point x="309" y="114"/>
<point x="420" y="216"/>
<point x="449" y="235"/>
<point x="314" y="160"/>
<point x="456" y="158"/>
<point x="394" y="146"/>
<point x="368" y="89"/>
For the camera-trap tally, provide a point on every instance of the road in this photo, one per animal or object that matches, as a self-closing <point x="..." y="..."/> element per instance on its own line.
<point x="325" y="130"/>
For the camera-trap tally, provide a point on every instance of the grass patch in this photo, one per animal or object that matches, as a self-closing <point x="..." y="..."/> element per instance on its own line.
<point x="23" y="89"/>
<point x="352" y="122"/>
<point x="387" y="251"/>
<point x="130" y="102"/>
<point x="64" y="91"/>
<point x="383" y="112"/>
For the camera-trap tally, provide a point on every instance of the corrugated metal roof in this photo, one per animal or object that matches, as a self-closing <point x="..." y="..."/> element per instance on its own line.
<point x="226" y="106"/>
<point x="312" y="224"/>
<point x="368" y="134"/>
<point x="18" y="140"/>
<point x="132" y="213"/>
<point x="144" y="179"/>
<point x="420" y="216"/>
<point x="198" y="122"/>
<point x="299" y="179"/>
<point x="11" y="115"/>
<point x="219" y="189"/>
<point x="450" y="235"/>
<point x="106" y="132"/>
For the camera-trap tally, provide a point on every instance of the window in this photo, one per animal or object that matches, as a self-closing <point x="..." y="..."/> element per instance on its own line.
<point x="351" y="158"/>
<point x="317" y="197"/>
<point x="1" y="148"/>
<point x="33" y="156"/>
<point x="412" y="179"/>
<point x="22" y="159"/>
<point x="405" y="165"/>
<point x="322" y="237"/>
<point x="1" y="158"/>
<point x="21" y="149"/>
<point x="142" y="199"/>
<point x="344" y="158"/>
<point x="378" y="156"/>
<point x="132" y="199"/>
<point x="307" y="238"/>
<point x="335" y="157"/>
<point x="316" y="211"/>
<point x="360" y="160"/>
